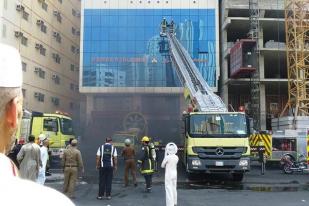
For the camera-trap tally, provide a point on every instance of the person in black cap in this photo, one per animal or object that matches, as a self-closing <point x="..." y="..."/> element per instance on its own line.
<point x="106" y="163"/>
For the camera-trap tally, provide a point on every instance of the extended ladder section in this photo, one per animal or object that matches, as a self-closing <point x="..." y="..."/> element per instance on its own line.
<point x="191" y="78"/>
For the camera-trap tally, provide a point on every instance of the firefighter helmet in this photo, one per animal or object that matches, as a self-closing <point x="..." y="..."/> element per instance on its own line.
<point x="145" y="139"/>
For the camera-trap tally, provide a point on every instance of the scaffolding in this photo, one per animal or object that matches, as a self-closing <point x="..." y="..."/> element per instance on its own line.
<point x="255" y="77"/>
<point x="297" y="51"/>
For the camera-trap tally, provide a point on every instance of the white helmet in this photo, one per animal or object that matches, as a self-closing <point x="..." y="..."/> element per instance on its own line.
<point x="127" y="141"/>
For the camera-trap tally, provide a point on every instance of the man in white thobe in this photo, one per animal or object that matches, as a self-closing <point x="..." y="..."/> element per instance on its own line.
<point x="44" y="157"/>
<point x="13" y="190"/>
<point x="170" y="164"/>
<point x="29" y="158"/>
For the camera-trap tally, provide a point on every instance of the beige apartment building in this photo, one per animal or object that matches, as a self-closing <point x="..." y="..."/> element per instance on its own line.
<point x="47" y="33"/>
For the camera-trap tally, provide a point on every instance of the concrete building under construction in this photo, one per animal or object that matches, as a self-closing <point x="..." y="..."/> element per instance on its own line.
<point x="239" y="51"/>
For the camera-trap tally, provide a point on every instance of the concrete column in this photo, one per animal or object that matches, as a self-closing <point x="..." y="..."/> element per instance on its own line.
<point x="224" y="70"/>
<point x="224" y="91"/>
<point x="263" y="107"/>
<point x="89" y="107"/>
<point x="261" y="66"/>
<point x="262" y="76"/>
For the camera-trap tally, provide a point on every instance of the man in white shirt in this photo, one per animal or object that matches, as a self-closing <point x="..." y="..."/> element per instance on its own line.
<point x="10" y="114"/>
<point x="106" y="161"/>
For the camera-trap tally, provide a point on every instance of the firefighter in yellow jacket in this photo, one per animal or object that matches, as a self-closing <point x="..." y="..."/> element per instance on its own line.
<point x="146" y="162"/>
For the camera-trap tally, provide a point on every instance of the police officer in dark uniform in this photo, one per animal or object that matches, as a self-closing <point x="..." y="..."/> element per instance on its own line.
<point x="106" y="162"/>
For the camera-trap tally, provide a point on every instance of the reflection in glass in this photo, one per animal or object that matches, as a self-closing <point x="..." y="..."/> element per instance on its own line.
<point x="122" y="48"/>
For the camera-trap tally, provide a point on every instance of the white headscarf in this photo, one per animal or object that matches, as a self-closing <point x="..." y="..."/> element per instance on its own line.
<point x="171" y="148"/>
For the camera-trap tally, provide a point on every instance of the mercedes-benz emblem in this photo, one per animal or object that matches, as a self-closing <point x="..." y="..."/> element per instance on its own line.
<point x="220" y="151"/>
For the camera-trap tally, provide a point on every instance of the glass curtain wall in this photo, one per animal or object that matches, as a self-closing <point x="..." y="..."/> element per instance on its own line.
<point x="123" y="47"/>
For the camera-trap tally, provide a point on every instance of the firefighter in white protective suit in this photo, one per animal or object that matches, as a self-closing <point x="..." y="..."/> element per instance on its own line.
<point x="170" y="164"/>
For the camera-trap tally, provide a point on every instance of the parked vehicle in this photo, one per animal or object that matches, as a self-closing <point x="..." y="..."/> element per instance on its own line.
<point x="58" y="127"/>
<point x="290" y="164"/>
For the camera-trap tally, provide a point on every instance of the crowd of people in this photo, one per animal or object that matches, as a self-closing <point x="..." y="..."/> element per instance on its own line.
<point x="23" y="164"/>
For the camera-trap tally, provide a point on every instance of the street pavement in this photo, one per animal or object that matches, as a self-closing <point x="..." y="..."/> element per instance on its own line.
<point x="273" y="188"/>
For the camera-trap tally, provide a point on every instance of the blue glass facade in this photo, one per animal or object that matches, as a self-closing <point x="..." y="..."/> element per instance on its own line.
<point x="122" y="47"/>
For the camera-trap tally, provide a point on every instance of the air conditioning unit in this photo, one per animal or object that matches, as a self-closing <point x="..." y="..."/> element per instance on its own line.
<point x="37" y="69"/>
<point x="18" y="33"/>
<point x="55" y="76"/>
<point x="55" y="34"/>
<point x="56" y="13"/>
<point x="38" y="46"/>
<point x="19" y="7"/>
<point x="36" y="94"/>
<point x="39" y="22"/>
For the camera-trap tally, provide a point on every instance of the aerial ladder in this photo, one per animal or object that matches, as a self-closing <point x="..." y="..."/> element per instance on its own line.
<point x="191" y="78"/>
<point x="215" y="140"/>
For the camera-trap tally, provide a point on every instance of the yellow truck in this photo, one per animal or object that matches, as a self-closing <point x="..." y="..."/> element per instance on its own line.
<point x="56" y="126"/>
<point x="215" y="139"/>
<point x="217" y="143"/>
<point x="281" y="142"/>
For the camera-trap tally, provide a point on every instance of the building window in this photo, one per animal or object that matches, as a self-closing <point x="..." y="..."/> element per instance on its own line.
<point x="57" y="15"/>
<point x="73" y="49"/>
<point x="72" y="67"/>
<point x="72" y="86"/>
<point x="73" y="30"/>
<point x="55" y="101"/>
<point x="3" y="30"/>
<point x="24" y="66"/>
<point x="56" y="58"/>
<point x="44" y="6"/>
<point x="56" y="78"/>
<point x="39" y="96"/>
<point x="24" y="93"/>
<point x="57" y="36"/>
<point x="25" y="15"/>
<point x="43" y="51"/>
<point x="40" y="72"/>
<point x="24" y="41"/>
<point x="73" y="12"/>
<point x="43" y="28"/>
